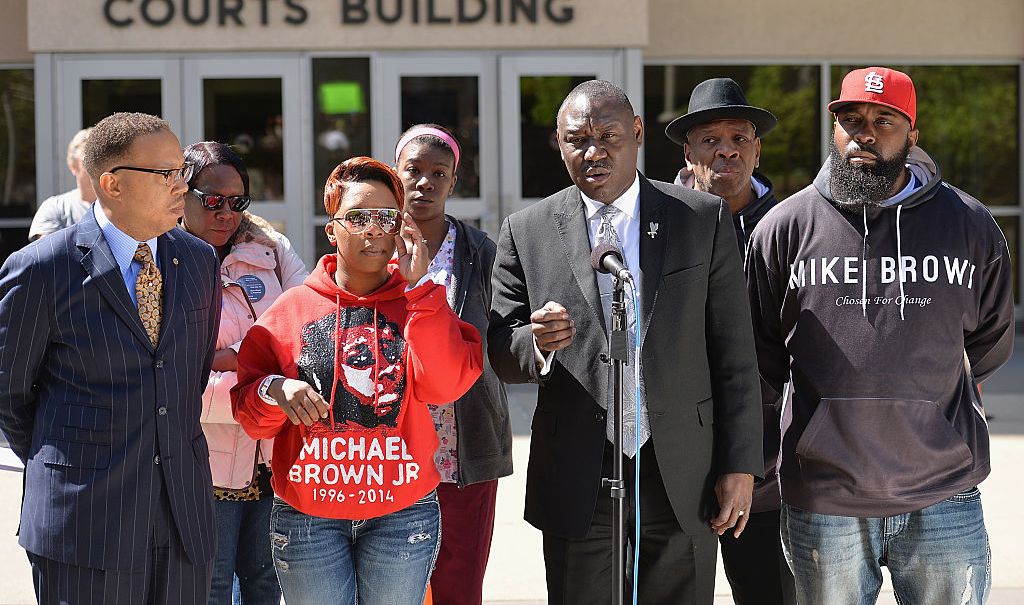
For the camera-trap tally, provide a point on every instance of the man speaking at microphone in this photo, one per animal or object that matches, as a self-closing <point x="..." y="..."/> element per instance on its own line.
<point x="699" y="410"/>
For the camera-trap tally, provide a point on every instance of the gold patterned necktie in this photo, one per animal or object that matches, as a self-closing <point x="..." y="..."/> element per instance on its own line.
<point x="149" y="288"/>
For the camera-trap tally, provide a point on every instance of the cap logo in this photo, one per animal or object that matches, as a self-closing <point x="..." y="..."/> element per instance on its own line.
<point x="874" y="83"/>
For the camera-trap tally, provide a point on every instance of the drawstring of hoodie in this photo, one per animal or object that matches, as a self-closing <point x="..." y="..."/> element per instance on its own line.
<point x="899" y="263"/>
<point x="337" y="344"/>
<point x="376" y="359"/>
<point x="864" y="267"/>
<point x="899" y="259"/>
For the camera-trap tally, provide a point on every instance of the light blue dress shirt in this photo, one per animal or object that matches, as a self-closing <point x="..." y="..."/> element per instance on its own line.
<point x="123" y="247"/>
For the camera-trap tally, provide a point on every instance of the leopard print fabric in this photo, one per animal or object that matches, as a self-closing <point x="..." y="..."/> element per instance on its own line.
<point x="247" y="494"/>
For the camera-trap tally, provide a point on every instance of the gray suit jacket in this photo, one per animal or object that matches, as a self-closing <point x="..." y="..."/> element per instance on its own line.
<point x="703" y="394"/>
<point x="88" y="403"/>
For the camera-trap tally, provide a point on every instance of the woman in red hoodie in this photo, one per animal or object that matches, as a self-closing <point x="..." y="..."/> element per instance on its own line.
<point x="339" y="371"/>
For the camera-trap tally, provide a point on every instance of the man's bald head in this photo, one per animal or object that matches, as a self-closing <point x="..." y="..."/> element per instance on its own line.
<point x="598" y="92"/>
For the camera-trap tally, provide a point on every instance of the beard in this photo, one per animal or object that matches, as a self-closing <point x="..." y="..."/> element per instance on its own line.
<point x="857" y="186"/>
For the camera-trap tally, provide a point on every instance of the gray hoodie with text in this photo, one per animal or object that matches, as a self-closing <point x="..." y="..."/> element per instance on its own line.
<point x="883" y="321"/>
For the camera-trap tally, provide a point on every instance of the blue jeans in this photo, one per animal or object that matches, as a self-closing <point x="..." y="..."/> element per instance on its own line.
<point x="936" y="556"/>
<point x="381" y="561"/>
<point x="243" y="570"/>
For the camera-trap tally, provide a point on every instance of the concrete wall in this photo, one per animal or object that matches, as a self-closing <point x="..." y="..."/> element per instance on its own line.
<point x="324" y="25"/>
<point x="828" y="29"/>
<point x="14" y="32"/>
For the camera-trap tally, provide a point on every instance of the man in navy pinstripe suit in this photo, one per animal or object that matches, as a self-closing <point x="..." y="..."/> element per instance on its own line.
<point x="117" y="505"/>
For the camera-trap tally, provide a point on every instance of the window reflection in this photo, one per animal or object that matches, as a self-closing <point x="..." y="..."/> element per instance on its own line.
<point x="247" y="115"/>
<point x="790" y="154"/>
<point x="17" y="150"/>
<point x="341" y="118"/>
<point x="100" y="98"/>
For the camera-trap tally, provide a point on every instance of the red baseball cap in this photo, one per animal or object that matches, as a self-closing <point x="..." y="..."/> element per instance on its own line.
<point x="881" y="86"/>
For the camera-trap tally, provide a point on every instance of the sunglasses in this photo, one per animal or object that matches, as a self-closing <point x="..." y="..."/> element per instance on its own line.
<point x="358" y="220"/>
<point x="185" y="173"/>
<point x="214" y="201"/>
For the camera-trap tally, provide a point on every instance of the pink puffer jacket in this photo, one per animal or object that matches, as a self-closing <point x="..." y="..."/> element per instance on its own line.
<point x="251" y="283"/>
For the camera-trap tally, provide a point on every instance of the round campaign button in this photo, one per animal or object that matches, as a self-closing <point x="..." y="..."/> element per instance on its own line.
<point x="254" y="287"/>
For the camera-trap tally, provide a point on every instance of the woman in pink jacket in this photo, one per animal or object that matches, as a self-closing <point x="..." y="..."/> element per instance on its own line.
<point x="257" y="265"/>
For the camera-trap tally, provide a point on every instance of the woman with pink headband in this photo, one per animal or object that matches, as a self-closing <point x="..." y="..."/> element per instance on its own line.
<point x="474" y="432"/>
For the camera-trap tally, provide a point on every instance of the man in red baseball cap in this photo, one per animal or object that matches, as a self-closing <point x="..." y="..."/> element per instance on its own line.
<point x="882" y="298"/>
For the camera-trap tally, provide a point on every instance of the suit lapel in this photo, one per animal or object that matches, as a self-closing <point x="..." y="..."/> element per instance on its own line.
<point x="571" y="222"/>
<point x="167" y="249"/>
<point x="98" y="261"/>
<point x="652" y="249"/>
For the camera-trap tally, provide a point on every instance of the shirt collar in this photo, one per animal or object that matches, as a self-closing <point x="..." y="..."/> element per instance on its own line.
<point x="122" y="245"/>
<point x="628" y="202"/>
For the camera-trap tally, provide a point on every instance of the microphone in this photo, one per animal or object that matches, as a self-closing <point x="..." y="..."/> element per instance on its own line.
<point x="608" y="259"/>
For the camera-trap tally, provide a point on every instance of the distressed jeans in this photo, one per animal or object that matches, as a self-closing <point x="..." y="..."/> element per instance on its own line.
<point x="938" y="555"/>
<point x="381" y="561"/>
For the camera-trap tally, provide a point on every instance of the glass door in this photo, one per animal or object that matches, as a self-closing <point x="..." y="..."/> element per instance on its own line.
<point x="254" y="104"/>
<point x="532" y="88"/>
<point x="458" y="91"/>
<point x="89" y="89"/>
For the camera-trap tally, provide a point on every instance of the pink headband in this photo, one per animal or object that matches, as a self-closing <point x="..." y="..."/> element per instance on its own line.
<point x="418" y="132"/>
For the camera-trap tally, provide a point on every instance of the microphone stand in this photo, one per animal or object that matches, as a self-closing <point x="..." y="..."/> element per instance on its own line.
<point x="618" y="355"/>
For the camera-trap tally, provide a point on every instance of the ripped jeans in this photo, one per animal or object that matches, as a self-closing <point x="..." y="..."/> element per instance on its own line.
<point x="381" y="561"/>
<point x="938" y="555"/>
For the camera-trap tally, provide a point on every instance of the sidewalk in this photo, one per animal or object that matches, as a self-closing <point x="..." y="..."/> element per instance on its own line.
<point x="516" y="572"/>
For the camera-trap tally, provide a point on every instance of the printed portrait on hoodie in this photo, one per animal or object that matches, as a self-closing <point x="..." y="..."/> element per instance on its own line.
<point x="369" y="358"/>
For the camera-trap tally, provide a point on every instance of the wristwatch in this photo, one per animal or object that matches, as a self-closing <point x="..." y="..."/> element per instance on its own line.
<point x="265" y="386"/>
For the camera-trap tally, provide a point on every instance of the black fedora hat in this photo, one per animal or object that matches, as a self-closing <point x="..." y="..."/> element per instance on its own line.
<point x="718" y="99"/>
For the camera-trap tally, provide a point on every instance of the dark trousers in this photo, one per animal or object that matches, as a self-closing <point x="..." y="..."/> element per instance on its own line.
<point x="675" y="568"/>
<point x="755" y="564"/>
<point x="168" y="576"/>
<point x="467" y="524"/>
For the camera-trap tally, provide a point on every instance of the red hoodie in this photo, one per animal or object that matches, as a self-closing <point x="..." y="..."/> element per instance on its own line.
<point x="386" y="355"/>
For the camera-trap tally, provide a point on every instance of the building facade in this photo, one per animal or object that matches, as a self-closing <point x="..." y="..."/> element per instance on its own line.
<point x="299" y="85"/>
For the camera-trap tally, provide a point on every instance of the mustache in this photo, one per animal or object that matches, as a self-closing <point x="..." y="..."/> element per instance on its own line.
<point x="589" y="165"/>
<point x="855" y="147"/>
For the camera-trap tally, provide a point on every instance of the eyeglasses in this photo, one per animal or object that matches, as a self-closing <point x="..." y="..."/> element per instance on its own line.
<point x="185" y="172"/>
<point x="215" y="201"/>
<point x="358" y="220"/>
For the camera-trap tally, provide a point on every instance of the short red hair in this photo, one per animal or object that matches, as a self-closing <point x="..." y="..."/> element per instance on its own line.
<point x="360" y="170"/>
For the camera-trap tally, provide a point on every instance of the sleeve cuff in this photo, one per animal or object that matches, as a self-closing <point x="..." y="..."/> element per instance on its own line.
<point x="440" y="277"/>
<point x="544" y="361"/>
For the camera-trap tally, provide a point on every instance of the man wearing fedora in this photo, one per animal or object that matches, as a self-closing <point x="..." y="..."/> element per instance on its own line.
<point x="721" y="139"/>
<point x="883" y="297"/>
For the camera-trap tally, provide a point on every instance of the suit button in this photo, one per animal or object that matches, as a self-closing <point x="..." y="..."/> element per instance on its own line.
<point x="156" y="459"/>
<point x="159" y="363"/>
<point x="162" y="410"/>
<point x="599" y="416"/>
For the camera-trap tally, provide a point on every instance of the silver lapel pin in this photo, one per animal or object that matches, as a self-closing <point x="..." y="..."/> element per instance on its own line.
<point x="654" y="230"/>
<point x="175" y="260"/>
